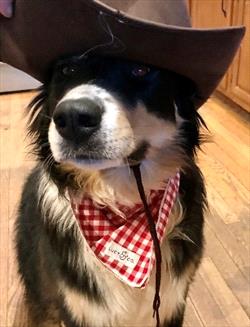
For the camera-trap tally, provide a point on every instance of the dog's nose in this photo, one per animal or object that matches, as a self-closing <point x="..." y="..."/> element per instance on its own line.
<point x="77" y="119"/>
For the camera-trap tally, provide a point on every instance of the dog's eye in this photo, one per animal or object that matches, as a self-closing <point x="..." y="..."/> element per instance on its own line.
<point x="68" y="70"/>
<point x="140" y="71"/>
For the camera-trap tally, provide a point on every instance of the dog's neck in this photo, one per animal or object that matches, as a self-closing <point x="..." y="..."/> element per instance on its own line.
<point x="122" y="181"/>
<point x="118" y="185"/>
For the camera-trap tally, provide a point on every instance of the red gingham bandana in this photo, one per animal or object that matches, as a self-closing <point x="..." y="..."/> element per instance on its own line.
<point x="123" y="243"/>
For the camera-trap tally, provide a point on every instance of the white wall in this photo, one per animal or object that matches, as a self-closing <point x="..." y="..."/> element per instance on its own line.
<point x="12" y="79"/>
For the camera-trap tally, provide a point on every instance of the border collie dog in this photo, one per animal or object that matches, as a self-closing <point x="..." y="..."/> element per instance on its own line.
<point x="93" y="119"/>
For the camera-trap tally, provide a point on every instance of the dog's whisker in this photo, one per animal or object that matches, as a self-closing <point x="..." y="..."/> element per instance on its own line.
<point x="48" y="162"/>
<point x="128" y="166"/>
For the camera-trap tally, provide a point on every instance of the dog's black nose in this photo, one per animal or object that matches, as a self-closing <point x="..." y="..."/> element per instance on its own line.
<point x="77" y="119"/>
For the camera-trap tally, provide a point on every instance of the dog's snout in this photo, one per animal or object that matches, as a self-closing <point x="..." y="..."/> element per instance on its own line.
<point x="77" y="119"/>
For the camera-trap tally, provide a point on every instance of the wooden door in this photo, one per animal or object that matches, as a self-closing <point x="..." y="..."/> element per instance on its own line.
<point x="239" y="87"/>
<point x="212" y="14"/>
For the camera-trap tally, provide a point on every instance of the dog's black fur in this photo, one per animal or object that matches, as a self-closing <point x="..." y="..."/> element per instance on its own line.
<point x="44" y="253"/>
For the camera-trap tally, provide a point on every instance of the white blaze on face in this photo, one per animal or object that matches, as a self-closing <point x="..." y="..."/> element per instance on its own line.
<point x="55" y="141"/>
<point x="148" y="127"/>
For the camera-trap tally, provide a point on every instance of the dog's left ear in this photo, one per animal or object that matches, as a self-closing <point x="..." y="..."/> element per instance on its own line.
<point x="184" y="99"/>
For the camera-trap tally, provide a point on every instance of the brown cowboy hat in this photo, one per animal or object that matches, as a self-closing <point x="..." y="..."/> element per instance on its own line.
<point x="155" y="32"/>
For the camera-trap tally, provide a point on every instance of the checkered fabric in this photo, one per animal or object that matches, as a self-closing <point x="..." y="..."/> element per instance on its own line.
<point x="123" y="242"/>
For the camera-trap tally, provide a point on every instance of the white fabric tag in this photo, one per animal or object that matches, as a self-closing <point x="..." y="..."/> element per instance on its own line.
<point x="121" y="254"/>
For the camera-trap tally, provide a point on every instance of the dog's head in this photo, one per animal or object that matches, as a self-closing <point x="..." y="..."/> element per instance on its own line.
<point x="99" y="113"/>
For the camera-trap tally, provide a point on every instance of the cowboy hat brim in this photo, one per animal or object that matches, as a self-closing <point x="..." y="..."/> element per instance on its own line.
<point x="42" y="31"/>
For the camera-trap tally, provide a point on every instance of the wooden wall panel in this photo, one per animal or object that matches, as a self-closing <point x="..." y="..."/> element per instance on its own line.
<point x="209" y="14"/>
<point x="239" y="87"/>
<point x="220" y="13"/>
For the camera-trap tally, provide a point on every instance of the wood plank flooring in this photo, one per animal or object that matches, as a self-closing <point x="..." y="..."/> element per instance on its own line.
<point x="220" y="294"/>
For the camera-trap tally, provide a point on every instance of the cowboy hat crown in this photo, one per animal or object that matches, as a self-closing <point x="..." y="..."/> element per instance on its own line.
<point x="154" y="32"/>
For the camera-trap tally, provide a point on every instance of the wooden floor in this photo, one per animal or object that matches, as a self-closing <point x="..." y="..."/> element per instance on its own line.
<point x="220" y="295"/>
